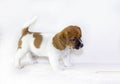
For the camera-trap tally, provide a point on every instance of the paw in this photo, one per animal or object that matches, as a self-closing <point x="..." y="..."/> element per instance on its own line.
<point x="68" y="65"/>
<point x="34" y="62"/>
<point x="60" y="68"/>
<point x="19" y="66"/>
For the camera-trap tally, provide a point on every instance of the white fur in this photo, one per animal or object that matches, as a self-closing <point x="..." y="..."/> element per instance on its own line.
<point x="46" y="49"/>
<point x="30" y="23"/>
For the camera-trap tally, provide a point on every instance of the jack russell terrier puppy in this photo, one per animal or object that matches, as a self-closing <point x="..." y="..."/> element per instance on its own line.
<point x="56" y="46"/>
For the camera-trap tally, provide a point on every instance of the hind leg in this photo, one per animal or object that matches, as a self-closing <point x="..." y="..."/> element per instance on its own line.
<point x="19" y="56"/>
<point x="33" y="58"/>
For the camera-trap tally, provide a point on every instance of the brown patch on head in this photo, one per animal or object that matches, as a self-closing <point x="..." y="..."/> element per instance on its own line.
<point x="72" y="32"/>
<point x="66" y="36"/>
<point x="38" y="39"/>
<point x="24" y="32"/>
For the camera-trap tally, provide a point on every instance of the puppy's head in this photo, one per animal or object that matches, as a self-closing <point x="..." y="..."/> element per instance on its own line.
<point x="70" y="36"/>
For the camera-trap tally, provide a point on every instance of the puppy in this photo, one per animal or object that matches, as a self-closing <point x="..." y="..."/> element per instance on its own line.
<point x="54" y="46"/>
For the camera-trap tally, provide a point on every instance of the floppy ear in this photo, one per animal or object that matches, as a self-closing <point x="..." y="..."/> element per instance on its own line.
<point x="59" y="41"/>
<point x="78" y="29"/>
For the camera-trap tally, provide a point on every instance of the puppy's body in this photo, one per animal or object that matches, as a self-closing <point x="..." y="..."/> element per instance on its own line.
<point x="45" y="48"/>
<point x="53" y="46"/>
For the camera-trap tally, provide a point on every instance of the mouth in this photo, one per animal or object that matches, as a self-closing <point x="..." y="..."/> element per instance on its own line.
<point x="78" y="46"/>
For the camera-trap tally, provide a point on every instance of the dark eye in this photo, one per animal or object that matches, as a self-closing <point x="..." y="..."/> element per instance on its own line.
<point x="73" y="39"/>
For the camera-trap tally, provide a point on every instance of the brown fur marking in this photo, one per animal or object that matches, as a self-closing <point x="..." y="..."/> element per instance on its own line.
<point x="24" y="32"/>
<point x="62" y="39"/>
<point x="38" y="39"/>
<point x="59" y="41"/>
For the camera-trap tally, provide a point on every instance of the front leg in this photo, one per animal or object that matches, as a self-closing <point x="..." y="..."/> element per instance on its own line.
<point x="54" y="61"/>
<point x="66" y="60"/>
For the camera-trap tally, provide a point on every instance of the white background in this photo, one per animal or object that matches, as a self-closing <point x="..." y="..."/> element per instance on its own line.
<point x="98" y="19"/>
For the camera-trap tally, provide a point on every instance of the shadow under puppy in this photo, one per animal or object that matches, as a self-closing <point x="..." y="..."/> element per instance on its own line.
<point x="54" y="46"/>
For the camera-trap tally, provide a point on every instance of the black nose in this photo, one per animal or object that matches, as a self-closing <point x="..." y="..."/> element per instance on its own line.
<point x="81" y="45"/>
<point x="78" y="43"/>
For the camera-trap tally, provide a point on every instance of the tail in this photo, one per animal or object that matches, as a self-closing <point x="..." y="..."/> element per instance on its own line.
<point x="25" y="30"/>
<point x="30" y="23"/>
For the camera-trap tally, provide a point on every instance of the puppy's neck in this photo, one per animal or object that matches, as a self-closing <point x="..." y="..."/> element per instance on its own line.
<point x="67" y="50"/>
